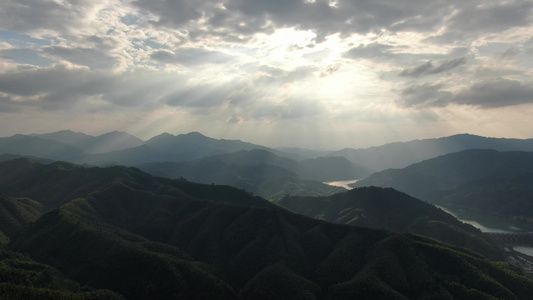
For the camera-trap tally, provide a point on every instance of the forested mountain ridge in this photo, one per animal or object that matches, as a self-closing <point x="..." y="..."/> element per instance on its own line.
<point x="56" y="183"/>
<point x="389" y="209"/>
<point x="150" y="237"/>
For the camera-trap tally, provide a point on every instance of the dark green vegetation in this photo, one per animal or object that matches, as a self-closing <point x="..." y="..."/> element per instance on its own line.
<point x="22" y="278"/>
<point x="263" y="172"/>
<point x="392" y="210"/>
<point x="481" y="181"/>
<point x="400" y="155"/>
<point x="146" y="237"/>
<point x="16" y="214"/>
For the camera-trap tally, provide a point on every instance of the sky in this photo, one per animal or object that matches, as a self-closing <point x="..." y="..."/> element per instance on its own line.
<point x="321" y="74"/>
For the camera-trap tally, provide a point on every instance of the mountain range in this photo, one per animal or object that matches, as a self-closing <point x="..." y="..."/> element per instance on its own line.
<point x="120" y="232"/>
<point x="267" y="172"/>
<point x="264" y="173"/>
<point x="125" y="149"/>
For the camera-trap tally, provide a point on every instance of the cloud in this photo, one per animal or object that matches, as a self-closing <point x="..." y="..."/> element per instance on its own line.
<point x="370" y="51"/>
<point x="29" y="16"/>
<point x="424" y="95"/>
<point x="492" y="16"/>
<point x="94" y="58"/>
<point x="430" y="69"/>
<point x="330" y="70"/>
<point x="8" y="105"/>
<point x="191" y="57"/>
<point x="497" y="92"/>
<point x="491" y="93"/>
<point x="509" y="53"/>
<point x="200" y="96"/>
<point x="62" y="87"/>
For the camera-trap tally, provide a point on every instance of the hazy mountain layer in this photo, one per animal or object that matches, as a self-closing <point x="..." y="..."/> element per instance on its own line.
<point x="107" y="142"/>
<point x="263" y="173"/>
<point x="34" y="146"/>
<point x="400" y="155"/>
<point x="451" y="170"/>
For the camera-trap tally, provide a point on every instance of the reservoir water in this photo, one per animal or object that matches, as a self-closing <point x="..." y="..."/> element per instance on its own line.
<point x="485" y="224"/>
<point x="342" y="183"/>
<point x="495" y="227"/>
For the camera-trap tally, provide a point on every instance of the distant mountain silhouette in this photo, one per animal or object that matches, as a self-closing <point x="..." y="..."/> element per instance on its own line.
<point x="26" y="145"/>
<point x="169" y="148"/>
<point x="148" y="237"/>
<point x="400" y="155"/>
<point x="107" y="142"/>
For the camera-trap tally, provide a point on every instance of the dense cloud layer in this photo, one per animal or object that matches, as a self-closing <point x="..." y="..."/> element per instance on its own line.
<point x="265" y="64"/>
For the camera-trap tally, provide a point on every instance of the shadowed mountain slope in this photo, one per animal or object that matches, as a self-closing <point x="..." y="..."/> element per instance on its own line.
<point x="23" y="278"/>
<point x="149" y="237"/>
<point x="56" y="183"/>
<point x="265" y="253"/>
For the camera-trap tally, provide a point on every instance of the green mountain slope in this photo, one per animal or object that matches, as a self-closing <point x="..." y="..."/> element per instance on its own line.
<point x="392" y="210"/>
